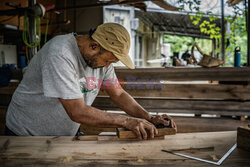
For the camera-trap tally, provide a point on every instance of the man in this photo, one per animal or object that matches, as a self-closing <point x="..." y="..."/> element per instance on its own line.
<point x="53" y="97"/>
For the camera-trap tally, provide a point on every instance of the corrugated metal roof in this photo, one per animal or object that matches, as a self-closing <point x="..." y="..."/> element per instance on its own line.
<point x="172" y="23"/>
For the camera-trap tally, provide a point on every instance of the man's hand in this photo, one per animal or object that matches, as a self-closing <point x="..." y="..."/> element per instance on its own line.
<point x="140" y="127"/>
<point x="163" y="120"/>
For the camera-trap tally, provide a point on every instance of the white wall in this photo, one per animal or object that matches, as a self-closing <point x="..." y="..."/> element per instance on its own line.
<point x="8" y="54"/>
<point x="121" y="15"/>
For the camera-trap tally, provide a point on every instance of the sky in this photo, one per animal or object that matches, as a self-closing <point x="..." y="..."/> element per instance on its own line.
<point x="213" y="6"/>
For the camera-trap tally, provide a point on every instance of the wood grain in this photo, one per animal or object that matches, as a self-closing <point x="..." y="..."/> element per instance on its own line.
<point x="180" y="90"/>
<point x="62" y="151"/>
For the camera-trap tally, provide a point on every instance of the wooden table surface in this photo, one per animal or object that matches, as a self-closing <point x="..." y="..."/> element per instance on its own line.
<point x="62" y="151"/>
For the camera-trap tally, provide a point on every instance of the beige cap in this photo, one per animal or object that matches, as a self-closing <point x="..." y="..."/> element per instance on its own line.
<point x="114" y="38"/>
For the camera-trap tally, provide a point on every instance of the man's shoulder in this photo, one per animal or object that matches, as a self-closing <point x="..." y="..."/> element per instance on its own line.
<point x="60" y="45"/>
<point x="62" y="40"/>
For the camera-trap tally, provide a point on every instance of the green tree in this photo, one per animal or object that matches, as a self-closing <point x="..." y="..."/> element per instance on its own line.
<point x="236" y="37"/>
<point x="181" y="43"/>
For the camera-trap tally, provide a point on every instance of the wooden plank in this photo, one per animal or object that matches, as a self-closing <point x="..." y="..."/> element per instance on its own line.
<point x="54" y="151"/>
<point x="62" y="151"/>
<point x="202" y="91"/>
<point x="127" y="134"/>
<point x="195" y="106"/>
<point x="181" y="74"/>
<point x="185" y="74"/>
<point x="243" y="137"/>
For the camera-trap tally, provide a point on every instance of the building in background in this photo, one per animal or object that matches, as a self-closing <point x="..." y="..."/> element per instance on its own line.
<point x="145" y="41"/>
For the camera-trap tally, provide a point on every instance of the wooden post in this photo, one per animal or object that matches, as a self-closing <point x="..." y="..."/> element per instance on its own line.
<point x="248" y="35"/>
<point x="222" y="31"/>
<point x="32" y="31"/>
<point x="213" y="47"/>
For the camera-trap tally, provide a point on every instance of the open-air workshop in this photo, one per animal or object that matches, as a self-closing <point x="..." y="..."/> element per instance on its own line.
<point x="124" y="83"/>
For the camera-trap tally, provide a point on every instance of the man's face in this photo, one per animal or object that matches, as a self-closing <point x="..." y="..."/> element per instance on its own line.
<point x="98" y="57"/>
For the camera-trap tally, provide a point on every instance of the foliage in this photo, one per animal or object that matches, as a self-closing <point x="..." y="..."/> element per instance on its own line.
<point x="206" y="21"/>
<point x="181" y="44"/>
<point x="237" y="37"/>
<point x="207" y="24"/>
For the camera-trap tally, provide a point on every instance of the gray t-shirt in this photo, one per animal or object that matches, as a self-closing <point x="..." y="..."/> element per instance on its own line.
<point x="57" y="71"/>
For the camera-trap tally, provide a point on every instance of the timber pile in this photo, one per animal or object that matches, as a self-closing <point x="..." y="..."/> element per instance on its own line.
<point x="220" y="91"/>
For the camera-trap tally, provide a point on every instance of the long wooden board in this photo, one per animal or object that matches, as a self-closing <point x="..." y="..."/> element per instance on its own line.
<point x="180" y="90"/>
<point x="195" y="106"/>
<point x="58" y="151"/>
<point x="186" y="74"/>
<point x="178" y="74"/>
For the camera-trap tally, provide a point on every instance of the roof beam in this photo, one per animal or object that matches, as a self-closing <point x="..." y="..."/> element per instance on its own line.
<point x="165" y="5"/>
<point x="234" y="2"/>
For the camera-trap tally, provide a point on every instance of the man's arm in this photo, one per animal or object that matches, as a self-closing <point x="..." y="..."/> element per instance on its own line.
<point x="79" y="112"/>
<point x="128" y="104"/>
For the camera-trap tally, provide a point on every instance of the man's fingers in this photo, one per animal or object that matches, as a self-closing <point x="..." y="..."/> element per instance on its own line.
<point x="151" y="130"/>
<point x="163" y="122"/>
<point x="155" y="131"/>
<point x="166" y="123"/>
<point x="137" y="131"/>
<point x="143" y="132"/>
<point x="174" y="125"/>
<point x="169" y="118"/>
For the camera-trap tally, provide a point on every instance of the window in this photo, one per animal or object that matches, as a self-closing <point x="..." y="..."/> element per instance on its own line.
<point x="138" y="51"/>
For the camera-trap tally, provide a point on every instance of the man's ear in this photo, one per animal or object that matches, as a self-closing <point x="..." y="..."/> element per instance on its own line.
<point x="94" y="45"/>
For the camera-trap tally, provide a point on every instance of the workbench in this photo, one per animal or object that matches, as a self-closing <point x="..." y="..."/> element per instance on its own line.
<point x="63" y="151"/>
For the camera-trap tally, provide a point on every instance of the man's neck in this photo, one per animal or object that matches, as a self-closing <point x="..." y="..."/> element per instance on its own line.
<point x="82" y="42"/>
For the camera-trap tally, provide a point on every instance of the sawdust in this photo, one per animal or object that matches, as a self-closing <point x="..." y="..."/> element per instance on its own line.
<point x="65" y="159"/>
<point x="140" y="159"/>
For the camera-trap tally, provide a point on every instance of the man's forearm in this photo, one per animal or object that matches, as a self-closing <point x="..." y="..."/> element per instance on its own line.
<point x="130" y="106"/>
<point x="95" y="117"/>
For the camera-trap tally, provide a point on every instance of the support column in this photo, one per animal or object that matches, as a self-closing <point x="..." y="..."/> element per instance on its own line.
<point x="248" y="34"/>
<point x="32" y="31"/>
<point x="222" y="31"/>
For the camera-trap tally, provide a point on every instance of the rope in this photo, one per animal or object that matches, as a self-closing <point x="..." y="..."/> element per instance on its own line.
<point x="25" y="22"/>
<point x="46" y="30"/>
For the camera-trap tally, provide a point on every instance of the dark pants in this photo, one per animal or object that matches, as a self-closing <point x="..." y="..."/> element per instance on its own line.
<point x="8" y="132"/>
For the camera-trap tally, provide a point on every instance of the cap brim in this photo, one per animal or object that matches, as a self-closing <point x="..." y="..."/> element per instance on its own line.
<point x="126" y="60"/>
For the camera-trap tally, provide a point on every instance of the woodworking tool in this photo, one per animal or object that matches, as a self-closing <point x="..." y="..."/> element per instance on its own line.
<point x="203" y="160"/>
